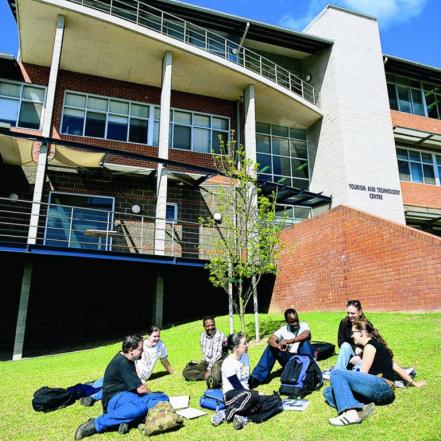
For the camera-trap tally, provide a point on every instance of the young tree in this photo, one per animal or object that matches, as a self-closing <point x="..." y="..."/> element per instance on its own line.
<point x="248" y="240"/>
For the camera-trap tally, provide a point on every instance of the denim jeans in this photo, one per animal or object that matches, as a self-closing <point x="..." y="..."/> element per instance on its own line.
<point x="266" y="363"/>
<point x="352" y="390"/>
<point x="98" y="384"/>
<point x="125" y="407"/>
<point x="345" y="353"/>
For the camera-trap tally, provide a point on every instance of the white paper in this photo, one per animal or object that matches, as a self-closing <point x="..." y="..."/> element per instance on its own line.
<point x="179" y="402"/>
<point x="190" y="413"/>
<point x="299" y="405"/>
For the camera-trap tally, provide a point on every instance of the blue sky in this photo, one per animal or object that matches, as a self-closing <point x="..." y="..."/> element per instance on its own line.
<point x="409" y="28"/>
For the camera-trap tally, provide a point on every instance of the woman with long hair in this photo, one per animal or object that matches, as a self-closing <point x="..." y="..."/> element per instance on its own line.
<point x="354" y="394"/>
<point x="242" y="404"/>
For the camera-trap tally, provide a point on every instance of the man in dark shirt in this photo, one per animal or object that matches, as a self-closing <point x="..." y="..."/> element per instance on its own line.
<point x="125" y="398"/>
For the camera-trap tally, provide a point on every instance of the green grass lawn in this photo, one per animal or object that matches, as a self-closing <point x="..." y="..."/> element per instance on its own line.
<point x="414" y="415"/>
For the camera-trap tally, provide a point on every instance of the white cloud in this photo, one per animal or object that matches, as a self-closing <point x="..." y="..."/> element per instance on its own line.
<point x="388" y="12"/>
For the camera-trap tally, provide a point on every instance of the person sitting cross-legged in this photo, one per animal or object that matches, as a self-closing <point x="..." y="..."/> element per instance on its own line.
<point x="125" y="398"/>
<point x="292" y="338"/>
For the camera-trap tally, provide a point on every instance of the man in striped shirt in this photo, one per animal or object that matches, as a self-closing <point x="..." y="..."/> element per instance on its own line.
<point x="209" y="369"/>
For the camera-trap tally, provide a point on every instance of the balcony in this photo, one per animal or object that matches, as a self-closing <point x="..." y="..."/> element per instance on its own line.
<point x="126" y="40"/>
<point x="71" y="229"/>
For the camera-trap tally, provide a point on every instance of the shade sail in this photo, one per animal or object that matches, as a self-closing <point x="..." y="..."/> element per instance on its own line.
<point x="18" y="151"/>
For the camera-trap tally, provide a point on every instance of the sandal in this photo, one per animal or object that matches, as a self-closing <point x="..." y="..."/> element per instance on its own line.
<point x="341" y="420"/>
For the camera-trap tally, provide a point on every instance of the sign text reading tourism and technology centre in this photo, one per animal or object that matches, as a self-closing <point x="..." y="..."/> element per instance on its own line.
<point x="374" y="191"/>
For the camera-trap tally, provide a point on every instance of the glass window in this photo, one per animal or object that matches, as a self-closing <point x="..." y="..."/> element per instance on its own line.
<point x="75" y="100"/>
<point x="297" y="134"/>
<point x="171" y="213"/>
<point x="95" y="125"/>
<point x="117" y="127"/>
<point x="263" y="128"/>
<point x="182" y="117"/>
<point x="30" y="115"/>
<point x="279" y="131"/>
<point x="97" y="103"/>
<point x="21" y="104"/>
<point x="264" y="162"/>
<point x="73" y="121"/>
<point x="119" y="107"/>
<point x="417" y="102"/>
<point x="218" y="140"/>
<point x="404" y="99"/>
<point x="418" y="166"/>
<point x="201" y="120"/>
<point x="220" y="123"/>
<point x="281" y="166"/>
<point x="417" y="172"/>
<point x="298" y="150"/>
<point x="392" y="96"/>
<point x="280" y="146"/>
<point x="299" y="168"/>
<point x="182" y="137"/>
<point x="140" y="110"/>
<point x="201" y="141"/>
<point x="403" y="168"/>
<point x="429" y="174"/>
<point x="9" y="110"/>
<point x="263" y="143"/>
<point x="138" y="130"/>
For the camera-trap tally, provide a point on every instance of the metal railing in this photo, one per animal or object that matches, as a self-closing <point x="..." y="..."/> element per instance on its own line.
<point x="74" y="227"/>
<point x="194" y="35"/>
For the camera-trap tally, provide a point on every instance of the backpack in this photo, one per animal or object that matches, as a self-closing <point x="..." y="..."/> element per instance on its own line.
<point x="161" y="418"/>
<point x="47" y="399"/>
<point x="300" y="377"/>
<point x="323" y="350"/>
<point x="212" y="399"/>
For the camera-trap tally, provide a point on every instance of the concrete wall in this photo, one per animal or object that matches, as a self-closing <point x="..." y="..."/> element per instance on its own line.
<point x="353" y="145"/>
<point x="346" y="254"/>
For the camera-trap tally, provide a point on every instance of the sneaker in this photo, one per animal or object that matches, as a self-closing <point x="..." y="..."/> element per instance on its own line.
<point x="86" y="429"/>
<point x="366" y="411"/>
<point x="123" y="428"/>
<point x="218" y="418"/>
<point x="239" y="422"/>
<point x="87" y="401"/>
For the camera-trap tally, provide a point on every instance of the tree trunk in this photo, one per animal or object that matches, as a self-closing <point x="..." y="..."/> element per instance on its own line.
<point x="256" y="309"/>
<point x="241" y="308"/>
<point x="230" y="307"/>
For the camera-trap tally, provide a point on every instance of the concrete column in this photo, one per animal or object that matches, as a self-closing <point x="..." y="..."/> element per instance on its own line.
<point x="46" y="131"/>
<point x="158" y="302"/>
<point x="250" y="124"/>
<point x="22" y="311"/>
<point x="162" y="178"/>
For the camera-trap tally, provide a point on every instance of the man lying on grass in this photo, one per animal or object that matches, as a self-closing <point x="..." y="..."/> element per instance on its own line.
<point x="125" y="397"/>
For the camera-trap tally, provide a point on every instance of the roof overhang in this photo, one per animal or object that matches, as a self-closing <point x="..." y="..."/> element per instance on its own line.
<point x="93" y="40"/>
<point x="412" y="69"/>
<point x="417" y="137"/>
<point x="423" y="215"/>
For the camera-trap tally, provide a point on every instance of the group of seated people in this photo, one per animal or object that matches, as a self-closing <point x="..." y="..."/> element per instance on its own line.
<point x="363" y="375"/>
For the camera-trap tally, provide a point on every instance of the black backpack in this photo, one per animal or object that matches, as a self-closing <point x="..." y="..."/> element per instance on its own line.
<point x="52" y="398"/>
<point x="300" y="377"/>
<point x="323" y="350"/>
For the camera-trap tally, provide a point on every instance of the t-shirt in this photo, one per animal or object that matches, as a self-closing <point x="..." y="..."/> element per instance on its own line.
<point x="286" y="333"/>
<point x="383" y="362"/>
<point x="120" y="376"/>
<point x="150" y="355"/>
<point x="241" y="368"/>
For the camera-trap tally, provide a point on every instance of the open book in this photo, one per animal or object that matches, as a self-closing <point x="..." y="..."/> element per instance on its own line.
<point x="292" y="404"/>
<point x="190" y="413"/>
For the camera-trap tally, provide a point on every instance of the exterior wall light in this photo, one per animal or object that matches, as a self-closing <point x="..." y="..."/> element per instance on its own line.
<point x="13" y="197"/>
<point x="217" y="217"/>
<point x="136" y="209"/>
<point x="308" y="77"/>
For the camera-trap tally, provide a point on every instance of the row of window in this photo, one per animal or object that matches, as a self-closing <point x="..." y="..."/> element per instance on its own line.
<point x="21" y="105"/>
<point x="417" y="166"/>
<point x="282" y="155"/>
<point x="415" y="97"/>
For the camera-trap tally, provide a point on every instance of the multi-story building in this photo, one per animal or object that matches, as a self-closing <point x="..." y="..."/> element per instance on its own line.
<point x="108" y="121"/>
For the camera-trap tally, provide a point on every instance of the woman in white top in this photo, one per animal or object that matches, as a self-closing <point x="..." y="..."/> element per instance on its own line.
<point x="242" y="405"/>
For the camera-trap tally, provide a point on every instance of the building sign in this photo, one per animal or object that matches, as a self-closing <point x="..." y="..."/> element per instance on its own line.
<point x="374" y="191"/>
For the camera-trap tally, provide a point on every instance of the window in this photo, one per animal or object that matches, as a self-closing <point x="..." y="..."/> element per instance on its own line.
<point x="21" y="105"/>
<point x="78" y="221"/>
<point x="198" y="132"/>
<point x="291" y="214"/>
<point x="282" y="155"/>
<point x="100" y="117"/>
<point x="419" y="166"/>
<point x="419" y="98"/>
<point x="171" y="215"/>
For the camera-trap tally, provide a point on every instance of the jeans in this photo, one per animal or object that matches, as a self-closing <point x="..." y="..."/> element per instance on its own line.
<point x="344" y="355"/>
<point x="98" y="384"/>
<point x="266" y="363"/>
<point x="125" y="407"/>
<point x="352" y="390"/>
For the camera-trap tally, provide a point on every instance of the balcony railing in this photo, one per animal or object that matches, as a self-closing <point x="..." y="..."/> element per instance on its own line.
<point x="73" y="227"/>
<point x="189" y="33"/>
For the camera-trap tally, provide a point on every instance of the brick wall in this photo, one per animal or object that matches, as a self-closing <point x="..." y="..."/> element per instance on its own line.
<point x="421" y="195"/>
<point x="416" y="122"/>
<point x="346" y="253"/>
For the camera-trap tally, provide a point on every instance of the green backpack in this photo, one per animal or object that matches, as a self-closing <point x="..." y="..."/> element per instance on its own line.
<point x="161" y="418"/>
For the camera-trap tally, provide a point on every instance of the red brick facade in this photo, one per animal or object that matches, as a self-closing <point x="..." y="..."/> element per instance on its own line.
<point x="401" y="119"/>
<point x="421" y="195"/>
<point x="346" y="253"/>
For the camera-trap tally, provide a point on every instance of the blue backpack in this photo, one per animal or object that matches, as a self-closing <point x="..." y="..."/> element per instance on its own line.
<point x="300" y="377"/>
<point x="212" y="399"/>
